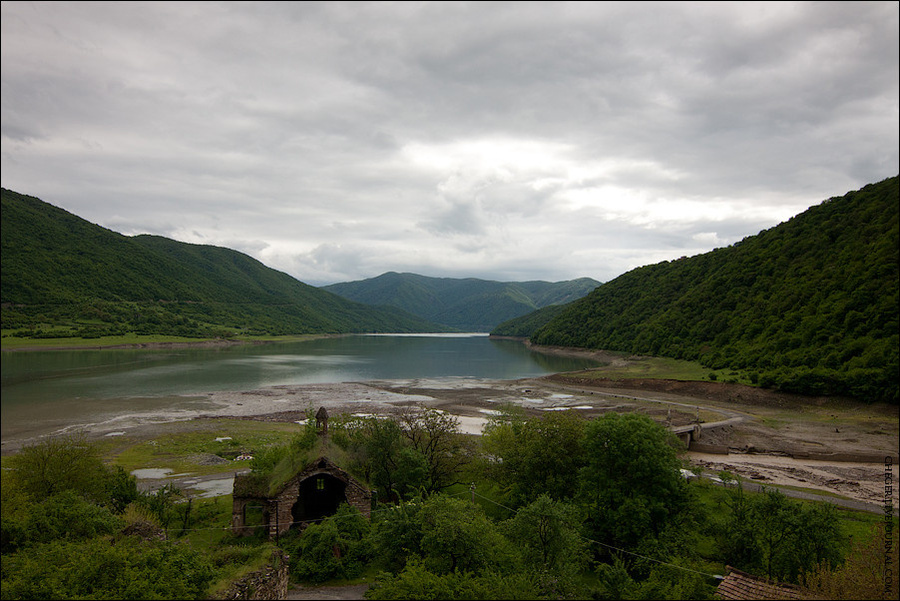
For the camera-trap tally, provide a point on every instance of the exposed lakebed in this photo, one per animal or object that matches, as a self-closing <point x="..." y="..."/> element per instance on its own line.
<point x="45" y="392"/>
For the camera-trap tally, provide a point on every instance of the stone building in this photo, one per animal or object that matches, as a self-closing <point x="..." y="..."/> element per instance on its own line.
<point x="315" y="492"/>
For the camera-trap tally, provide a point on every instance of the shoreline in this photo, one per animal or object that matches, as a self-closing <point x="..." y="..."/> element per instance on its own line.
<point x="173" y="344"/>
<point x="598" y="355"/>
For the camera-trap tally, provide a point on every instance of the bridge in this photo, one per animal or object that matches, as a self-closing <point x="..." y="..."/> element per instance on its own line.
<point x="694" y="432"/>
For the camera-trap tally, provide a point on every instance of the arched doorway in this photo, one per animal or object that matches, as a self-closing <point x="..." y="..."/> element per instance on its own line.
<point x="319" y="497"/>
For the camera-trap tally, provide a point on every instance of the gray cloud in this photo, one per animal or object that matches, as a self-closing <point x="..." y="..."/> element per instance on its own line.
<point x="510" y="141"/>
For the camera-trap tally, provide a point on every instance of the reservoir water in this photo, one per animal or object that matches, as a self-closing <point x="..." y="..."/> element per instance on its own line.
<point x="49" y="391"/>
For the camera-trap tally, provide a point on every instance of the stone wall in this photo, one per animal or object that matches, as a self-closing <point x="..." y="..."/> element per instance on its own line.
<point x="281" y="506"/>
<point x="717" y="449"/>
<point x="268" y="583"/>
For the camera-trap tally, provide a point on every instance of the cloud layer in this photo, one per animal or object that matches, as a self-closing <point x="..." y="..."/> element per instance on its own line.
<point x="510" y="141"/>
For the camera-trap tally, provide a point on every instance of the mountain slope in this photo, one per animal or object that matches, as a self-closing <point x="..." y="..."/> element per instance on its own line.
<point x="60" y="269"/>
<point x="808" y="306"/>
<point x="467" y="304"/>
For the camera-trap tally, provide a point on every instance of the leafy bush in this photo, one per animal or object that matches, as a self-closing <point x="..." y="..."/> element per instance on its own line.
<point x="100" y="569"/>
<point x="417" y="582"/>
<point x="62" y="516"/>
<point x="337" y="547"/>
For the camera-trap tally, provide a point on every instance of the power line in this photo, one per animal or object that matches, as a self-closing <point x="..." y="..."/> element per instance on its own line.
<point x="459" y="494"/>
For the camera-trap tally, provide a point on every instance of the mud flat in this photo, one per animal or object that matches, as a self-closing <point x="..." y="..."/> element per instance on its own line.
<point x="772" y="438"/>
<point x="833" y="446"/>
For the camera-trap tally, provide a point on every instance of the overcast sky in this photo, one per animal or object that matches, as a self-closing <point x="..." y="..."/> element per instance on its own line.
<point x="508" y="141"/>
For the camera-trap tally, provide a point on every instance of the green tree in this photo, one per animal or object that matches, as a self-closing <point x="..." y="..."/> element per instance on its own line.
<point x="738" y="538"/>
<point x="436" y="437"/>
<point x="446" y="533"/>
<point x="677" y="580"/>
<point x="614" y="581"/>
<point x="780" y="537"/>
<point x="548" y="534"/>
<point x="631" y="483"/>
<point x="121" y="489"/>
<point x="535" y="456"/>
<point x="65" y="515"/>
<point x="97" y="568"/>
<point x="868" y="572"/>
<point x="417" y="582"/>
<point x="457" y="535"/>
<point x="794" y="537"/>
<point x="61" y="463"/>
<point x="161" y="504"/>
<point x="379" y="450"/>
<point x="397" y="534"/>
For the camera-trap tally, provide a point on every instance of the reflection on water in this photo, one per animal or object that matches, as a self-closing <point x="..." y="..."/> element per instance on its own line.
<point x="48" y="390"/>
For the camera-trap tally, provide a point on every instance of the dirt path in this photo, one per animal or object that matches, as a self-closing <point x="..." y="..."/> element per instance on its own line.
<point x="324" y="593"/>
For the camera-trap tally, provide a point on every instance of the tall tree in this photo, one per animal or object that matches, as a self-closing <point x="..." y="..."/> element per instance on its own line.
<point x="535" y="456"/>
<point x="379" y="450"/>
<point x="780" y="537"/>
<point x="435" y="436"/>
<point x="631" y="481"/>
<point x="548" y="533"/>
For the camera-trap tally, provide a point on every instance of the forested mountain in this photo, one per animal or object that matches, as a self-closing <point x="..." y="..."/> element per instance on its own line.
<point x="468" y="304"/>
<point x="810" y="305"/>
<point x="62" y="275"/>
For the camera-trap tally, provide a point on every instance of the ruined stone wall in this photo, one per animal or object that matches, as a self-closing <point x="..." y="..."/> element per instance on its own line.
<point x="268" y="583"/>
<point x="282" y="516"/>
<point x="360" y="498"/>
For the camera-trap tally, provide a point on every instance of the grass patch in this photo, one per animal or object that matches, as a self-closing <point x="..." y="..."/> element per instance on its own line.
<point x="661" y="368"/>
<point x="180" y="451"/>
<point x="856" y="523"/>
<point x="12" y="343"/>
<point x="8" y="342"/>
<point x="814" y="491"/>
<point x="860" y="524"/>
<point x="209" y="534"/>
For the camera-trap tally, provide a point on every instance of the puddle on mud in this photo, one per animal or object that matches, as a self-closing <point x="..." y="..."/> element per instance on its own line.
<point x="151" y="472"/>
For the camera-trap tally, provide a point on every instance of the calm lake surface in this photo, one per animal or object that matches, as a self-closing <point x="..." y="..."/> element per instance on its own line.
<point x="49" y="391"/>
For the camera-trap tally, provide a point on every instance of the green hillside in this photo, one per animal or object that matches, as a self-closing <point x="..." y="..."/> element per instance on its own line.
<point x="468" y="304"/>
<point x="64" y="276"/>
<point x="808" y="306"/>
<point x="527" y="325"/>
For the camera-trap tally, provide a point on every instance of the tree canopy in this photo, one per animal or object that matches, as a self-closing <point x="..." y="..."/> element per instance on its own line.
<point x="809" y="306"/>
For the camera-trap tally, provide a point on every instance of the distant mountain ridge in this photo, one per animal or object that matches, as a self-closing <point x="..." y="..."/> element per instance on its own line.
<point x="808" y="306"/>
<point x="468" y="304"/>
<point x="62" y="275"/>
